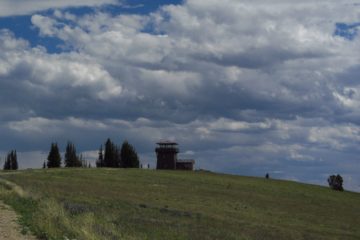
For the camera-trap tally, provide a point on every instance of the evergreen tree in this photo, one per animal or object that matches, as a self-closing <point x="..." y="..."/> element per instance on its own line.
<point x="129" y="156"/>
<point x="14" y="162"/>
<point x="7" y="164"/>
<point x="117" y="157"/>
<point x="44" y="165"/>
<point x="11" y="161"/>
<point x="111" y="155"/>
<point x="100" y="160"/>
<point x="71" y="158"/>
<point x="54" y="158"/>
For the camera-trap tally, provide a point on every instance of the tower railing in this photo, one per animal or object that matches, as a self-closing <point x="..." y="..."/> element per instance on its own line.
<point x="167" y="149"/>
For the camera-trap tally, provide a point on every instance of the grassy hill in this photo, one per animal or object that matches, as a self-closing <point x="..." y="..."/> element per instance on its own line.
<point x="145" y="204"/>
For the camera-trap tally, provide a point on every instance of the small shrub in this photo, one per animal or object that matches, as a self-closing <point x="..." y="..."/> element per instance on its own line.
<point x="336" y="182"/>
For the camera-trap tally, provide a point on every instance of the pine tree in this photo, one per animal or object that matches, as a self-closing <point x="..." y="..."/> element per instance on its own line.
<point x="111" y="155"/>
<point x="7" y="165"/>
<point x="44" y="165"/>
<point x="129" y="156"/>
<point x="117" y="157"/>
<point x="109" y="152"/>
<point x="71" y="158"/>
<point x="54" y="158"/>
<point x="11" y="161"/>
<point x="100" y="160"/>
<point x="14" y="162"/>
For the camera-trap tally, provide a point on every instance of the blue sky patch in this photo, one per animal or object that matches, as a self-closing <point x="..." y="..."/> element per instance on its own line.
<point x="141" y="6"/>
<point x="22" y="27"/>
<point x="346" y="30"/>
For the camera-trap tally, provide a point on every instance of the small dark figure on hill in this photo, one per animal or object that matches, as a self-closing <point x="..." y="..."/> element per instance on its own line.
<point x="267" y="176"/>
<point x="336" y="182"/>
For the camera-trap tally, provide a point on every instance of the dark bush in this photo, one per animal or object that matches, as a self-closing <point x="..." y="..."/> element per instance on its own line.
<point x="336" y="182"/>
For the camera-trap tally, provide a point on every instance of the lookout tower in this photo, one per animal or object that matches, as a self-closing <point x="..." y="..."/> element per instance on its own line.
<point x="166" y="154"/>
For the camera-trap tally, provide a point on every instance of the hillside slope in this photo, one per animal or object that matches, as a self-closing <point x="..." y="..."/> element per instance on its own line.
<point x="145" y="204"/>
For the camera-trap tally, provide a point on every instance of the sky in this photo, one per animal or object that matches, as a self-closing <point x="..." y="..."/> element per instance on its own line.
<point x="245" y="87"/>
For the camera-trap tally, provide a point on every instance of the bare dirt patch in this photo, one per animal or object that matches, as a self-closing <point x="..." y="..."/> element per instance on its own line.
<point x="9" y="228"/>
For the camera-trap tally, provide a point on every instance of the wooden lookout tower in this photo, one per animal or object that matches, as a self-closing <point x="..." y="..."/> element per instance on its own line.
<point x="166" y="154"/>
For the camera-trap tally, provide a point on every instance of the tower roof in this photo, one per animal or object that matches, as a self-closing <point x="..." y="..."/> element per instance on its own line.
<point x="166" y="142"/>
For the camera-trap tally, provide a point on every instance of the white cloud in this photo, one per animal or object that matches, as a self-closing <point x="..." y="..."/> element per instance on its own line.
<point x="223" y="124"/>
<point x="54" y="74"/>
<point x="337" y="136"/>
<point x="36" y="125"/>
<point x="27" y="7"/>
<point x="212" y="42"/>
<point x="45" y="24"/>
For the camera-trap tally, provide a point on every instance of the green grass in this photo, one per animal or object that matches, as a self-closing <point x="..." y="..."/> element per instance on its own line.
<point x="143" y="204"/>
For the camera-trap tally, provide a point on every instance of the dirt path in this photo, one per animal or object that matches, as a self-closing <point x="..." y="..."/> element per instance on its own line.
<point x="9" y="228"/>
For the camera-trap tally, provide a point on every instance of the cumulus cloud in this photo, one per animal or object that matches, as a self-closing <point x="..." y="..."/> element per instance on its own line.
<point x="26" y="7"/>
<point x="218" y="46"/>
<point x="33" y="70"/>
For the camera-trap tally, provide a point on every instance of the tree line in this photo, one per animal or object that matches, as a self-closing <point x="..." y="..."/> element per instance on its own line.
<point x="114" y="156"/>
<point x="71" y="158"/>
<point x="111" y="156"/>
